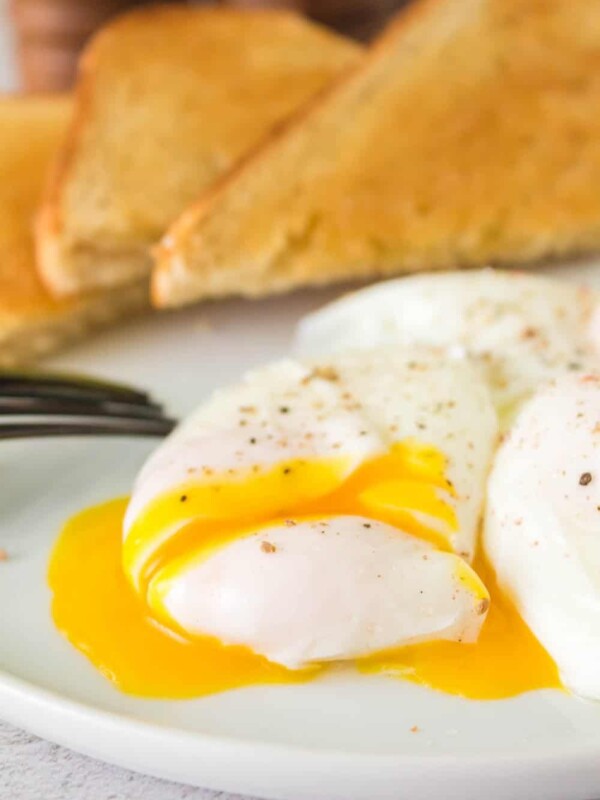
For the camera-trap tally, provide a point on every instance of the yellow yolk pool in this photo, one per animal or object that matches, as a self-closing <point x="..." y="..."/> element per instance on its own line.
<point x="99" y="604"/>
<point x="506" y="660"/>
<point x="97" y="610"/>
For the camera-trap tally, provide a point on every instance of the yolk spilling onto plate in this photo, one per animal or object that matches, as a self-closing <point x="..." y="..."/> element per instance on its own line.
<point x="506" y="660"/>
<point x="97" y="610"/>
<point x="100" y="612"/>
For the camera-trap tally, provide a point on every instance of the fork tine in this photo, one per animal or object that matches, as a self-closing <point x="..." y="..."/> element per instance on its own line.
<point x="50" y="406"/>
<point x="42" y="384"/>
<point x="36" y="404"/>
<point x="104" y="427"/>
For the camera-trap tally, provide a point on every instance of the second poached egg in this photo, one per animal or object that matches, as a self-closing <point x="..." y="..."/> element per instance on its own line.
<point x="543" y="523"/>
<point x="519" y="330"/>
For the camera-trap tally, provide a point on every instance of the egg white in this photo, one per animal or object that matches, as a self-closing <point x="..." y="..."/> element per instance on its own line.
<point x="326" y="590"/>
<point x="353" y="589"/>
<point x="542" y="528"/>
<point x="536" y="343"/>
<point x="519" y="329"/>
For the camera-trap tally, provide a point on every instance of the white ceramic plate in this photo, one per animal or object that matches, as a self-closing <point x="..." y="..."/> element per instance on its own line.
<point x="344" y="736"/>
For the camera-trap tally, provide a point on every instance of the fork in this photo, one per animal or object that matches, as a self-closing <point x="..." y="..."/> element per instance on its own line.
<point x="36" y="404"/>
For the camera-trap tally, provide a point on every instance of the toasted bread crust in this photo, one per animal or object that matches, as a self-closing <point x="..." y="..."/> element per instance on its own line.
<point x="194" y="260"/>
<point x="28" y="338"/>
<point x="48" y="222"/>
<point x="194" y="213"/>
<point x="171" y="279"/>
<point x="32" y="324"/>
<point x="71" y="260"/>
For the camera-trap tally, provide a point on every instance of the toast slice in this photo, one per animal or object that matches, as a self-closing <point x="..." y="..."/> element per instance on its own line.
<point x="469" y="135"/>
<point x="31" y="323"/>
<point x="169" y="97"/>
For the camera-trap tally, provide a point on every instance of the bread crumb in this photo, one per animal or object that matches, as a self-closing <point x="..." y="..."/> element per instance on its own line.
<point x="3" y="554"/>
<point x="415" y="729"/>
<point x="267" y="547"/>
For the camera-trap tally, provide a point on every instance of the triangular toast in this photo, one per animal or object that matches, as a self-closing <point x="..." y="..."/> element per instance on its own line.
<point x="469" y="135"/>
<point x="168" y="98"/>
<point x="31" y="323"/>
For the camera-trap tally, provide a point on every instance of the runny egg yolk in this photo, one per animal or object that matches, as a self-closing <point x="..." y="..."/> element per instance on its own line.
<point x="96" y="609"/>
<point x="100" y="586"/>
<point x="506" y="660"/>
<point x="401" y="488"/>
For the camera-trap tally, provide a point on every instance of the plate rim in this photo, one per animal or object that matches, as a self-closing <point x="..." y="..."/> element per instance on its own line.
<point x="21" y="689"/>
<point x="292" y="772"/>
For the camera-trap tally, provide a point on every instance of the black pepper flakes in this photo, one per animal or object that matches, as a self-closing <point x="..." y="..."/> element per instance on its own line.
<point x="585" y="478"/>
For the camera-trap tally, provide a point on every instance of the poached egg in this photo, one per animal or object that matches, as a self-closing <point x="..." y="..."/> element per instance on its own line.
<point x="320" y="511"/>
<point x="519" y="330"/>
<point x="535" y="341"/>
<point x="542" y="524"/>
<point x="328" y="510"/>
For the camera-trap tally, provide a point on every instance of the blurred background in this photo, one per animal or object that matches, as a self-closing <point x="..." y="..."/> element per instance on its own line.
<point x="40" y="39"/>
<point x="8" y="76"/>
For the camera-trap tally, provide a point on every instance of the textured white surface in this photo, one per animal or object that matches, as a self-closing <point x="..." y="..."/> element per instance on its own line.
<point x="31" y="769"/>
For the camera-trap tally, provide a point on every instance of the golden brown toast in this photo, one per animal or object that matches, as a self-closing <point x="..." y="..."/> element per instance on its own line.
<point x="169" y="97"/>
<point x="31" y="323"/>
<point x="470" y="134"/>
